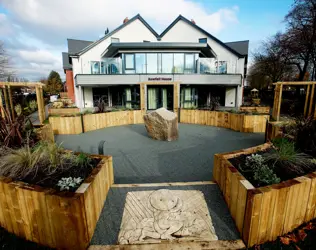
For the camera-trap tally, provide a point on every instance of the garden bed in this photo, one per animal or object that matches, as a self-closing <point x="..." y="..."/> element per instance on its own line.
<point x="63" y="111"/>
<point x="90" y="122"/>
<point x="257" y="109"/>
<point x="53" y="218"/>
<point x="263" y="213"/>
<point x="238" y="122"/>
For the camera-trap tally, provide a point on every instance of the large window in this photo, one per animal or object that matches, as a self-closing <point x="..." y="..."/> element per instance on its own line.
<point x="178" y="63"/>
<point x="140" y="60"/>
<point x="189" y="97"/>
<point x="130" y="61"/>
<point x="160" y="96"/>
<point x="189" y="63"/>
<point x="152" y="63"/>
<point x="166" y="63"/>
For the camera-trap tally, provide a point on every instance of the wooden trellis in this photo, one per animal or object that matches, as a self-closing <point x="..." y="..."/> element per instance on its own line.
<point x="5" y="87"/>
<point x="308" y="107"/>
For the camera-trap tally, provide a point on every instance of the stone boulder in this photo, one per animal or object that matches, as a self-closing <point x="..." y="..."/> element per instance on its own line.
<point x="162" y="125"/>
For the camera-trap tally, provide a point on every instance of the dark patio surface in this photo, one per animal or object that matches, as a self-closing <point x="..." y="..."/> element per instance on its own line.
<point x="108" y="226"/>
<point x="139" y="159"/>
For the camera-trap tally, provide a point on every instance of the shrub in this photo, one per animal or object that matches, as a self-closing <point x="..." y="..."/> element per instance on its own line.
<point x="18" y="109"/>
<point x="101" y="105"/>
<point x="83" y="160"/>
<point x="262" y="174"/>
<point x="69" y="183"/>
<point x="15" y="132"/>
<point x="287" y="159"/>
<point x="33" y="105"/>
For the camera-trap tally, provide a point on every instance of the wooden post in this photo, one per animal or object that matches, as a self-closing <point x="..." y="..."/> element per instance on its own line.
<point x="277" y="101"/>
<point x="39" y="105"/>
<point x="142" y="97"/>
<point x="6" y="100"/>
<point x="11" y="101"/>
<point x="43" y="104"/>
<point x="1" y="104"/>
<point x="306" y="100"/>
<point x="176" y="97"/>
<point x="311" y="100"/>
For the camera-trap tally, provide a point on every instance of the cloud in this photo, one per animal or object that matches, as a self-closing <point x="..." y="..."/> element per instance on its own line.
<point x="35" y="28"/>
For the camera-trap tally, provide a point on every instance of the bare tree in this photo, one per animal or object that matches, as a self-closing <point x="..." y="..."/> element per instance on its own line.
<point x="299" y="40"/>
<point x="5" y="69"/>
<point x="270" y="64"/>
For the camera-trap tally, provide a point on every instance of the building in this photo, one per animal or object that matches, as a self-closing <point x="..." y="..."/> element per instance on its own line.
<point x="134" y="67"/>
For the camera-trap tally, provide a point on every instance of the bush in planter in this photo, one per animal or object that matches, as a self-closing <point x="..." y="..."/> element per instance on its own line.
<point x="287" y="160"/>
<point x="262" y="174"/>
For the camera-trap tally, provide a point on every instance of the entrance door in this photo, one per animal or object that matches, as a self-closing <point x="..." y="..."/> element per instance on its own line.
<point x="160" y="96"/>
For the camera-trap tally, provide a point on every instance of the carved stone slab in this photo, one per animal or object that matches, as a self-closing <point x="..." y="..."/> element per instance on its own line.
<point x="152" y="216"/>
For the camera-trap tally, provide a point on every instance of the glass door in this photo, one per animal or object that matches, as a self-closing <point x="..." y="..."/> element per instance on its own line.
<point x="160" y="96"/>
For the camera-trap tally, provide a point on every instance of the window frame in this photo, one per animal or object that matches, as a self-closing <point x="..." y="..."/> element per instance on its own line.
<point x="193" y="62"/>
<point x="203" y="40"/>
<point x="134" y="62"/>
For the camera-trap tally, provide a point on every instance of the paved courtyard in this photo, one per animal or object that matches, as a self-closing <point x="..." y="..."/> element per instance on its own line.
<point x="139" y="159"/>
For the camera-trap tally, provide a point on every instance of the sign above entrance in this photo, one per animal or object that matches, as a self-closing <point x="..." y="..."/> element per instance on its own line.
<point x="159" y="79"/>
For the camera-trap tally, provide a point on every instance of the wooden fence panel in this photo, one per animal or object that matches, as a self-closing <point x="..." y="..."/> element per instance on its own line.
<point x="66" y="125"/>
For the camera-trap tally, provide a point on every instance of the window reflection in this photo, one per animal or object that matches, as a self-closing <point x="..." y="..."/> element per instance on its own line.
<point x="178" y="63"/>
<point x="189" y="63"/>
<point x="140" y="63"/>
<point x="152" y="63"/>
<point x="166" y="63"/>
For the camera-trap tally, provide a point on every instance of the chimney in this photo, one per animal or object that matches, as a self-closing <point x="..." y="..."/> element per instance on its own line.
<point x="125" y="20"/>
<point x="192" y="21"/>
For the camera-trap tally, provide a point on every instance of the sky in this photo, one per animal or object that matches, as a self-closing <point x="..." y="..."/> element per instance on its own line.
<point x="35" y="32"/>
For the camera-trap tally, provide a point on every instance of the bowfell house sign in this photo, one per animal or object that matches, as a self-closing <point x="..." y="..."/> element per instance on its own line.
<point x="152" y="216"/>
<point x="159" y="79"/>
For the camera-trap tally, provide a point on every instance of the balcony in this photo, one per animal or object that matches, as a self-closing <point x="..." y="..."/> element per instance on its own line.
<point x="163" y="63"/>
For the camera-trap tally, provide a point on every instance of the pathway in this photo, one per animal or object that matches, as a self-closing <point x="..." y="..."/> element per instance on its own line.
<point x="34" y="116"/>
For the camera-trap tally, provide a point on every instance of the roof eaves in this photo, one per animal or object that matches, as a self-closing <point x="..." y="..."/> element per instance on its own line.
<point x="180" y="17"/>
<point x="138" y="16"/>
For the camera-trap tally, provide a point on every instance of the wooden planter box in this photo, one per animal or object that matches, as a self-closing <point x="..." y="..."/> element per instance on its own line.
<point x="45" y="132"/>
<point x="262" y="214"/>
<point x="63" y="111"/>
<point x="90" y="122"/>
<point x="261" y="110"/>
<point x="237" y="122"/>
<point x="63" y="220"/>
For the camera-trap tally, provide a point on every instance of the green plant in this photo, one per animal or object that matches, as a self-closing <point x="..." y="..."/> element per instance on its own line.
<point x="261" y="172"/>
<point x="19" y="163"/>
<point x="287" y="158"/>
<point x="33" y="105"/>
<point x="18" y="109"/>
<point x="82" y="160"/>
<point x="69" y="183"/>
<point x="265" y="175"/>
<point x="214" y="103"/>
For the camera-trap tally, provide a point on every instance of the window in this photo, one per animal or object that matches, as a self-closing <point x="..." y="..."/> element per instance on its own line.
<point x="189" y="97"/>
<point x="152" y="63"/>
<point x="130" y="61"/>
<point x="95" y="67"/>
<point x="203" y="40"/>
<point x="115" y="40"/>
<point x="178" y="63"/>
<point x="166" y="63"/>
<point x="140" y="63"/>
<point x="189" y="63"/>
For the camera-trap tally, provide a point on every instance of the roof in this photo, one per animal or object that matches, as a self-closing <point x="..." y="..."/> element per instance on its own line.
<point x="138" y="16"/>
<point x="115" y="47"/>
<point x="74" y="45"/>
<point x="180" y="17"/>
<point x="66" y="64"/>
<point x="240" y="46"/>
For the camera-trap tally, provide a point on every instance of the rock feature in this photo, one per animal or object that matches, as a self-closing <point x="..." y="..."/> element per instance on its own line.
<point x="152" y="216"/>
<point x="162" y="125"/>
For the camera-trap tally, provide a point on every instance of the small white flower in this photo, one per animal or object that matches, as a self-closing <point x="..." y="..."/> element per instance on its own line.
<point x="65" y="183"/>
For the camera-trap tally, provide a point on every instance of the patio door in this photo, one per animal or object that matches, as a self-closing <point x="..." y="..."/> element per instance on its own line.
<point x="159" y="96"/>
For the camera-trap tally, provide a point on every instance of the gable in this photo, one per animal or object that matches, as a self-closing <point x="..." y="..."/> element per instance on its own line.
<point x="184" y="30"/>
